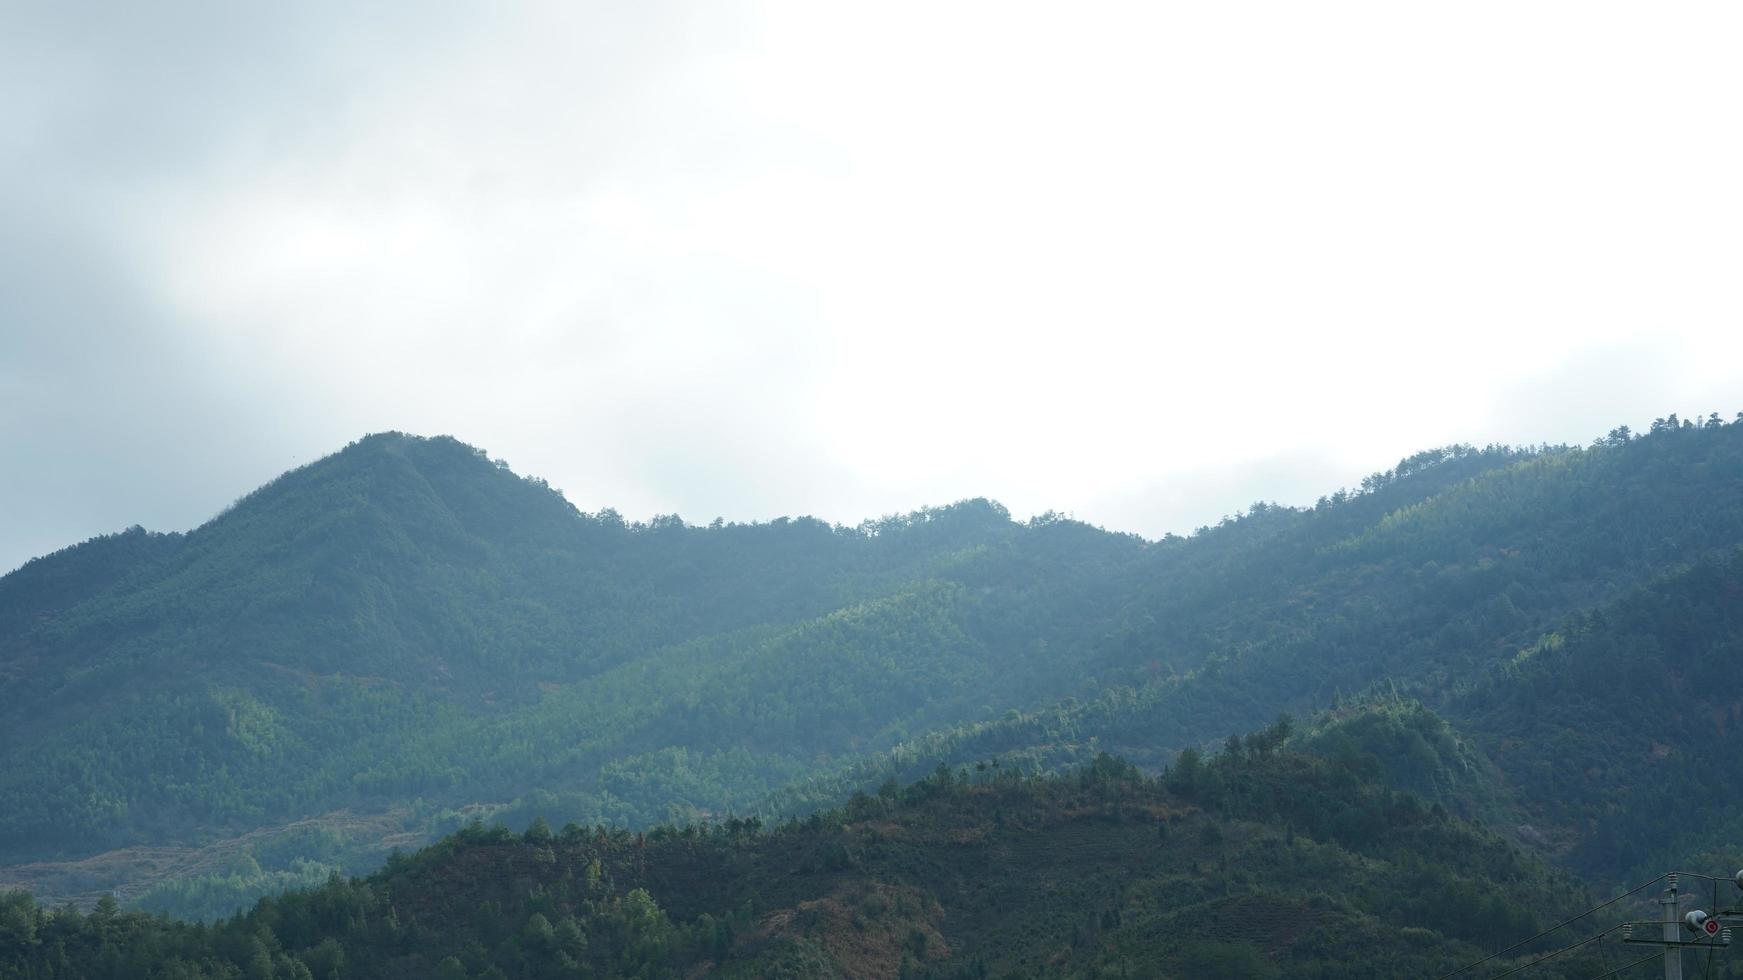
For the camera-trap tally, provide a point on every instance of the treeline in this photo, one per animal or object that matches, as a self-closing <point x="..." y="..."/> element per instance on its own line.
<point x="1258" y="861"/>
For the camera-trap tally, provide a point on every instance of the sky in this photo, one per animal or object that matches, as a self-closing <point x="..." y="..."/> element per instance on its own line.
<point x="1139" y="263"/>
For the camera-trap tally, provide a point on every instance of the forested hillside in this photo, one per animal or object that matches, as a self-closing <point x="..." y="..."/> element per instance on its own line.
<point x="378" y="646"/>
<point x="408" y="619"/>
<point x="1257" y="863"/>
<point x="1550" y="644"/>
<point x="1619" y="733"/>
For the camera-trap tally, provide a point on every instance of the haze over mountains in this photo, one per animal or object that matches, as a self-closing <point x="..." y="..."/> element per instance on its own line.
<point x="377" y="647"/>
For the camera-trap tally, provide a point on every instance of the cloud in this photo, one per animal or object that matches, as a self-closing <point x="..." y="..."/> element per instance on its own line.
<point x="749" y="259"/>
<point x="110" y="416"/>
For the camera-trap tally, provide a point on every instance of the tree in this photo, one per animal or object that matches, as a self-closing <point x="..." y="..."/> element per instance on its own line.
<point x="538" y="832"/>
<point x="1183" y="777"/>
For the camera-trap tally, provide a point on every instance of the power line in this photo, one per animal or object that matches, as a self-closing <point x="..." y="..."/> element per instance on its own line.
<point x="1692" y="874"/>
<point x="1628" y="966"/>
<point x="1558" y="925"/>
<point x="1552" y="955"/>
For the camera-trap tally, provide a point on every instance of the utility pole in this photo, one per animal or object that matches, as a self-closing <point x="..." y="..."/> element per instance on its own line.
<point x="1672" y="953"/>
<point x="1707" y="930"/>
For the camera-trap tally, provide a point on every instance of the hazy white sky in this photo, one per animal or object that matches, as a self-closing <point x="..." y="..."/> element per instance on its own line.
<point x="1144" y="263"/>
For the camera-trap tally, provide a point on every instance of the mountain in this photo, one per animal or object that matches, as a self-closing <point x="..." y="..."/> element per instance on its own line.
<point x="408" y="619"/>
<point x="379" y="646"/>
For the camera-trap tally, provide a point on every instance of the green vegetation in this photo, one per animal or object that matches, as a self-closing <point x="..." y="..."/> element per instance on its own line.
<point x="1624" y="725"/>
<point x="1258" y="862"/>
<point x="407" y="619"/>
<point x="1544" y="640"/>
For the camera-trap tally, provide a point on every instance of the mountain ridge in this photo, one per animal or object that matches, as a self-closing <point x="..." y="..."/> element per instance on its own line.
<point x="407" y="624"/>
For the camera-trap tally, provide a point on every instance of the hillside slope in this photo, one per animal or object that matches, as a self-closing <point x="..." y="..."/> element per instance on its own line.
<point x="1607" y="744"/>
<point x="406" y="618"/>
<point x="1256" y="864"/>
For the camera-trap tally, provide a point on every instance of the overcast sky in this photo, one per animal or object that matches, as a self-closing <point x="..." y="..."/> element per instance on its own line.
<point x="1142" y="263"/>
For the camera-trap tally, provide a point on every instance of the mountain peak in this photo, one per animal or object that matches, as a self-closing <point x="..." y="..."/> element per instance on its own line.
<point x="432" y="482"/>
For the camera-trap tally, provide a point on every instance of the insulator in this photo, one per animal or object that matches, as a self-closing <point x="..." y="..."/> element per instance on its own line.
<point x="1627" y="929"/>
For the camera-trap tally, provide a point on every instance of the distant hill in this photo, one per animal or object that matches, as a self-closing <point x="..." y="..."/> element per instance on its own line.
<point x="409" y="628"/>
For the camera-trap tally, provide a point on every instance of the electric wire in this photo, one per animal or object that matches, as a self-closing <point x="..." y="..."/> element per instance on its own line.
<point x="1554" y="953"/>
<point x="1628" y="966"/>
<point x="1696" y="874"/>
<point x="1558" y="925"/>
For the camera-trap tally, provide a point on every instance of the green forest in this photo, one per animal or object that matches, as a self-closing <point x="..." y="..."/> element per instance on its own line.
<point x="1257" y="862"/>
<point x="943" y="744"/>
